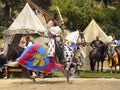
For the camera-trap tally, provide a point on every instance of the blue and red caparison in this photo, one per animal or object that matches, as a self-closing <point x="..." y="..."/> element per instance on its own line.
<point x="35" y="58"/>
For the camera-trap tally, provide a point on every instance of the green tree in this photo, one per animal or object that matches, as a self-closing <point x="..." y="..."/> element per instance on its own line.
<point x="80" y="12"/>
<point x="77" y="12"/>
<point x="9" y="10"/>
<point x="43" y="3"/>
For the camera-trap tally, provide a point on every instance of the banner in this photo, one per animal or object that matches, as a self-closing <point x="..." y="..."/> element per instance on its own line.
<point x="35" y="58"/>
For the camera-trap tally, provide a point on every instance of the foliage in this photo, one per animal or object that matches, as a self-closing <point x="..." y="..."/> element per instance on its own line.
<point x="43" y="3"/>
<point x="1" y="31"/>
<point x="78" y="13"/>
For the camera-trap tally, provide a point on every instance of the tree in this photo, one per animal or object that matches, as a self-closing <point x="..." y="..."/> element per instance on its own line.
<point x="80" y="12"/>
<point x="76" y="12"/>
<point x="43" y="3"/>
<point x="8" y="10"/>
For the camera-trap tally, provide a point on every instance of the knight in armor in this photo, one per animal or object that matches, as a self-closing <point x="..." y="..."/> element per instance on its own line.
<point x="96" y="43"/>
<point x="55" y="31"/>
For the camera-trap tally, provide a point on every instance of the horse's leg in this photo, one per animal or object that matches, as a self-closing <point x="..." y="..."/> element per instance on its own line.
<point x="33" y="76"/>
<point x="68" y="76"/>
<point x="101" y="66"/>
<point x="119" y="61"/>
<point x="115" y="69"/>
<point x="91" y="65"/>
<point x="94" y="63"/>
<point x="97" y="65"/>
<point x="110" y="69"/>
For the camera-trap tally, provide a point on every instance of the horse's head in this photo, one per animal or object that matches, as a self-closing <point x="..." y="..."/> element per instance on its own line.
<point x="111" y="50"/>
<point x="81" y="36"/>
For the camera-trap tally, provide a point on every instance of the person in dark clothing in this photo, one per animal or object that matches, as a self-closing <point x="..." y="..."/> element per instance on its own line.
<point x="3" y="61"/>
<point x="95" y="44"/>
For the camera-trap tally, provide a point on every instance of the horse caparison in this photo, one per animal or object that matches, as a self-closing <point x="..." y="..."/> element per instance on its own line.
<point x="67" y="56"/>
<point x="114" y="57"/>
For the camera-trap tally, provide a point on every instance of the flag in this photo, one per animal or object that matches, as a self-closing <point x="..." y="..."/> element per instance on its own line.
<point x="110" y="62"/>
<point x="35" y="58"/>
<point x="116" y="59"/>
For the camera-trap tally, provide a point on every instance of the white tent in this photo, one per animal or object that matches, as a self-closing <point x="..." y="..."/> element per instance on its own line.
<point x="26" y="23"/>
<point x="93" y="30"/>
<point x="90" y="33"/>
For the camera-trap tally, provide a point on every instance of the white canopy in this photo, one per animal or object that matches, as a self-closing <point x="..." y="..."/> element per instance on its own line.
<point x="26" y="23"/>
<point x="93" y="30"/>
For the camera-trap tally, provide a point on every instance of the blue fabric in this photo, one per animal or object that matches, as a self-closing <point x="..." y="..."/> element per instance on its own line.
<point x="35" y="58"/>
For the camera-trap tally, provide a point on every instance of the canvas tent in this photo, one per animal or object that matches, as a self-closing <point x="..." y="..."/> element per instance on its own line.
<point x="26" y="23"/>
<point x="90" y="33"/>
<point x="93" y="30"/>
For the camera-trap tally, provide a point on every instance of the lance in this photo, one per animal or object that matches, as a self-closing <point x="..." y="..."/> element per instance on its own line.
<point x="62" y="22"/>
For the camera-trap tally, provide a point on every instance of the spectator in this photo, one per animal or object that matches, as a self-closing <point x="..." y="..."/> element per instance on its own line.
<point x="28" y="42"/>
<point x="3" y="61"/>
<point x="25" y="42"/>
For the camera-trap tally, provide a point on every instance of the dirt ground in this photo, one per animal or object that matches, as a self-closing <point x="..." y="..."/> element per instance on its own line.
<point x="60" y="84"/>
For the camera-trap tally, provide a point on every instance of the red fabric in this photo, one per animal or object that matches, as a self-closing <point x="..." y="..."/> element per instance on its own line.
<point x="29" y="54"/>
<point x="50" y="66"/>
<point x="59" y="66"/>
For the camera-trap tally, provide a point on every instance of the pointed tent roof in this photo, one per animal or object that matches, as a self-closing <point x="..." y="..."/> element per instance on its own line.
<point x="26" y="23"/>
<point x="93" y="30"/>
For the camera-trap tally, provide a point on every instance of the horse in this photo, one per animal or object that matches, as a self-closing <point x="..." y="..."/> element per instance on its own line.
<point x="113" y="57"/>
<point x="97" y="55"/>
<point x="36" y="57"/>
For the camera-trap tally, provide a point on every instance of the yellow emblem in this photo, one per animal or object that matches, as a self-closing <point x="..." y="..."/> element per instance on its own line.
<point x="39" y="60"/>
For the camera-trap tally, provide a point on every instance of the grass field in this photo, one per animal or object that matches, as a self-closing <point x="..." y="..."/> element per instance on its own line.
<point x="89" y="74"/>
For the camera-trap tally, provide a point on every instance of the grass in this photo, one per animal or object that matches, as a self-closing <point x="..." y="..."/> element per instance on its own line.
<point x="89" y="74"/>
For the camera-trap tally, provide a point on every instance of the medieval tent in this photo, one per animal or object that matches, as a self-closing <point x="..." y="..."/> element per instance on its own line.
<point x="90" y="33"/>
<point x="26" y="23"/>
<point x="93" y="30"/>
